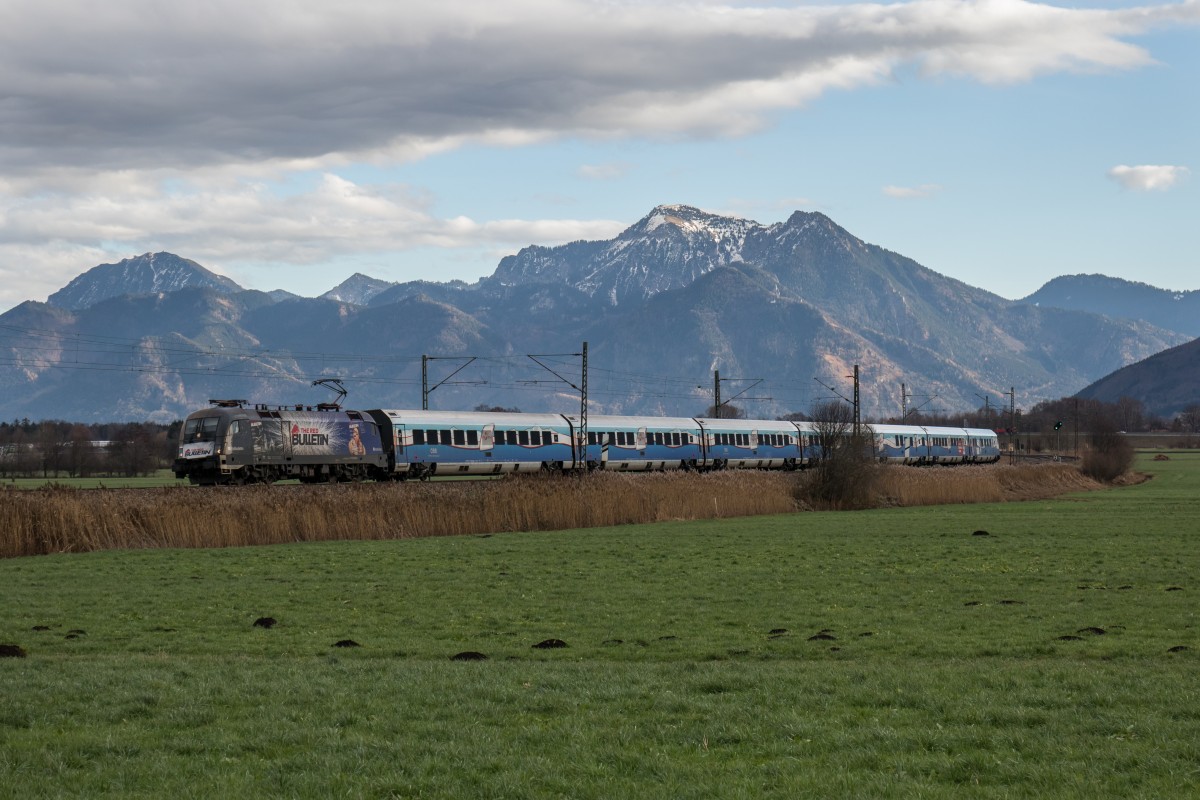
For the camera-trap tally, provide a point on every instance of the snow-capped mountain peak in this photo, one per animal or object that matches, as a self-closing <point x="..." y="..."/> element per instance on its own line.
<point x="358" y="289"/>
<point x="149" y="273"/>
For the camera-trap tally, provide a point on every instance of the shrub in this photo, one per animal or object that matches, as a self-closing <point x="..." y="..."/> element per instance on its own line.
<point x="1109" y="457"/>
<point x="846" y="477"/>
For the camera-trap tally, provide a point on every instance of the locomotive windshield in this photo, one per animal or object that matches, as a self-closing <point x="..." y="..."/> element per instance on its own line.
<point x="201" y="429"/>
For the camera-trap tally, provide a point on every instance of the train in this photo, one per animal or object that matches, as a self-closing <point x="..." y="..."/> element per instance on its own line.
<point x="234" y="442"/>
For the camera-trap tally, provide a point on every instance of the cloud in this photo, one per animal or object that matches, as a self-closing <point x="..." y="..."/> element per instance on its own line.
<point x="1148" y="177"/>
<point x="605" y="172"/>
<point x="909" y="192"/>
<point x="222" y="226"/>
<point x="136" y="84"/>
<point x="218" y="129"/>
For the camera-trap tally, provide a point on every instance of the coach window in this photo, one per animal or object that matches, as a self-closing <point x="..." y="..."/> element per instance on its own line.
<point x="418" y="437"/>
<point x="473" y="438"/>
<point x="460" y="438"/>
<point x="535" y="438"/>
<point x="523" y="438"/>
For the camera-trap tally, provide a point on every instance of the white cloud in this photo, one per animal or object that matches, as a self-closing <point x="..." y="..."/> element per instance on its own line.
<point x="58" y="234"/>
<point x="605" y="172"/>
<point x="909" y="192"/>
<point x="1148" y="177"/>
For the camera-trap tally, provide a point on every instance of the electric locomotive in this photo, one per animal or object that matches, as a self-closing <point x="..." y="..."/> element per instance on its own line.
<point x="233" y="443"/>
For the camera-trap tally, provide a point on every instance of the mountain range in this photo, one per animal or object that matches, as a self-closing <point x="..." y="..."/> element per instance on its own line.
<point x="675" y="296"/>
<point x="1116" y="297"/>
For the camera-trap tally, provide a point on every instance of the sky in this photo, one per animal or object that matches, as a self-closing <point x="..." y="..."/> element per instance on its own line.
<point x="290" y="144"/>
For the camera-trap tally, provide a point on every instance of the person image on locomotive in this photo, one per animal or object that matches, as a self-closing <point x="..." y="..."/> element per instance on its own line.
<point x="356" y="446"/>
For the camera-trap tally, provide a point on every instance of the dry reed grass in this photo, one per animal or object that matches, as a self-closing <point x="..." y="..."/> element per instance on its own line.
<point x="58" y="519"/>
<point x="980" y="484"/>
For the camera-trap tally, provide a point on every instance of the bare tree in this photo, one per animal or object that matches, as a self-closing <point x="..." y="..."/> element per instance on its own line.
<point x="1130" y="413"/>
<point x="1110" y="454"/>
<point x="1189" y="419"/>
<point x="728" y="411"/>
<point x="846" y="474"/>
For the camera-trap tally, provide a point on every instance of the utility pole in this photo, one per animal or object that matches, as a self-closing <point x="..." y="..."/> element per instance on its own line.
<point x="578" y="450"/>
<point x="854" y="403"/>
<point x="426" y="388"/>
<point x="1012" y="421"/>
<point x="903" y="402"/>
<point x="857" y="407"/>
<point x="987" y="407"/>
<point x="581" y="460"/>
<point x="717" y="393"/>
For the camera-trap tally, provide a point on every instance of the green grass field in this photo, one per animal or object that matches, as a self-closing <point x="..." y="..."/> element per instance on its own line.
<point x="162" y="477"/>
<point x="887" y="653"/>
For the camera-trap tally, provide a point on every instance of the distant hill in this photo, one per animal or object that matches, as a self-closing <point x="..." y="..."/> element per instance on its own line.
<point x="679" y="293"/>
<point x="1118" y="298"/>
<point x="357" y="289"/>
<point x="1166" y="382"/>
<point x="149" y="273"/>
